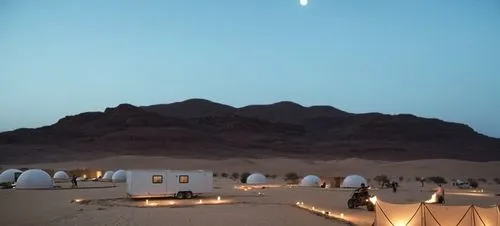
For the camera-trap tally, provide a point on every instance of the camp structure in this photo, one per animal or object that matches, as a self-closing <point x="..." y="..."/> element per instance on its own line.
<point x="61" y="176"/>
<point x="353" y="181"/>
<point x="120" y="176"/>
<point x="310" y="181"/>
<point x="256" y="178"/>
<point x="108" y="176"/>
<point x="167" y="183"/>
<point x="10" y="176"/>
<point x="420" y="214"/>
<point x="34" y="179"/>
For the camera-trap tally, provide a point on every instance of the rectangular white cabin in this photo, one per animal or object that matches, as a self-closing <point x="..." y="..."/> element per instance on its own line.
<point x="167" y="183"/>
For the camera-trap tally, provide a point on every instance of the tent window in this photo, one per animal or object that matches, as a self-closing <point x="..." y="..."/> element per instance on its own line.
<point x="157" y="179"/>
<point x="183" y="179"/>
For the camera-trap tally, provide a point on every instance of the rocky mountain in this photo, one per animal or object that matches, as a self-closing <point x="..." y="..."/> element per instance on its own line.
<point x="201" y="128"/>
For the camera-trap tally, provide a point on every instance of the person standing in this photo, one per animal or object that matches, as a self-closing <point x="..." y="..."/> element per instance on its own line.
<point x="74" y="182"/>
<point x="440" y="194"/>
<point x="394" y="186"/>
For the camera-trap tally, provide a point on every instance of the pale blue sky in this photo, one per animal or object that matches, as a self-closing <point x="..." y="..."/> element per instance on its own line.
<point x="433" y="58"/>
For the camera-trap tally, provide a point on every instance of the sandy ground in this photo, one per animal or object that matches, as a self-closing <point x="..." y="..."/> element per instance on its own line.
<point x="274" y="207"/>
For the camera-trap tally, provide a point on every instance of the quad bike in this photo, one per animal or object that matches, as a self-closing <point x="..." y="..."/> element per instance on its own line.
<point x="358" y="199"/>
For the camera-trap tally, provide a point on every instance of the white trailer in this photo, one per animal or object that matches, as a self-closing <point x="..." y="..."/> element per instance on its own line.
<point x="168" y="183"/>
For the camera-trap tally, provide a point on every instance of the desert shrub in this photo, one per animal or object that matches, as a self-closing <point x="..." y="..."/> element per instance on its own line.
<point x="437" y="180"/>
<point x="473" y="183"/>
<point x="482" y="180"/>
<point x="401" y="178"/>
<point x="215" y="174"/>
<point x="225" y="175"/>
<point x="49" y="171"/>
<point x="244" y="176"/>
<point x="267" y="175"/>
<point x="419" y="179"/>
<point x="382" y="179"/>
<point x="497" y="180"/>
<point x="292" y="177"/>
<point x="6" y="185"/>
<point x="235" y="175"/>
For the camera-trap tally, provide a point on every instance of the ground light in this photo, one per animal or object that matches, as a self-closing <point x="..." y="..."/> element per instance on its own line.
<point x="321" y="211"/>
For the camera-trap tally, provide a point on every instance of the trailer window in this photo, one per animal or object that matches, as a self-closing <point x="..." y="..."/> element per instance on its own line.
<point x="184" y="179"/>
<point x="157" y="179"/>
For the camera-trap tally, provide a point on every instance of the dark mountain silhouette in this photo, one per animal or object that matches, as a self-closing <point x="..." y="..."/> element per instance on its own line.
<point x="201" y="128"/>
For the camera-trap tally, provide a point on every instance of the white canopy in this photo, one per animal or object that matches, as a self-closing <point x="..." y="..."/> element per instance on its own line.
<point x="108" y="176"/>
<point x="61" y="176"/>
<point x="119" y="176"/>
<point x="9" y="176"/>
<point x="34" y="179"/>
<point x="310" y="181"/>
<point x="353" y="181"/>
<point x="256" y="178"/>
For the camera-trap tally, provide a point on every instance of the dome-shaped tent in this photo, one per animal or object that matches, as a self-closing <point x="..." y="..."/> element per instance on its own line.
<point x="9" y="176"/>
<point x="256" y="178"/>
<point x="34" y="179"/>
<point x="108" y="176"/>
<point x="60" y="176"/>
<point x="119" y="176"/>
<point x="310" y="181"/>
<point x="353" y="181"/>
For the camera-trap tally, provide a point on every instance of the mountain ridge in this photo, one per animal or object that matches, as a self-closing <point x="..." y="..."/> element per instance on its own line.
<point x="202" y="128"/>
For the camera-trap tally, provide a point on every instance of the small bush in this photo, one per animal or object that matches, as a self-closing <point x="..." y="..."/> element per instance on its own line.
<point x="225" y="175"/>
<point x="419" y="179"/>
<point x="273" y="176"/>
<point x="292" y="177"/>
<point x="267" y="175"/>
<point x="382" y="179"/>
<point x="235" y="176"/>
<point x="482" y="180"/>
<point x="401" y="179"/>
<point x="6" y="185"/>
<point x="473" y="183"/>
<point x="215" y="174"/>
<point x="244" y="176"/>
<point x="437" y="180"/>
<point x="497" y="180"/>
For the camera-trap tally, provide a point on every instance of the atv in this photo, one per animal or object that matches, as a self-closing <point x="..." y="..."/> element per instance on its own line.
<point x="358" y="199"/>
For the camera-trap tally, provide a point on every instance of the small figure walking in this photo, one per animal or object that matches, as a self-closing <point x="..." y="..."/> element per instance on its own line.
<point x="74" y="182"/>
<point x="394" y="186"/>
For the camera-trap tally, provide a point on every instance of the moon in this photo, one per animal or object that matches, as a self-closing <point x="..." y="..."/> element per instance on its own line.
<point x="303" y="2"/>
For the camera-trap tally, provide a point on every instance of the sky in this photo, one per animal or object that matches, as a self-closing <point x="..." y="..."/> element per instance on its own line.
<point x="437" y="59"/>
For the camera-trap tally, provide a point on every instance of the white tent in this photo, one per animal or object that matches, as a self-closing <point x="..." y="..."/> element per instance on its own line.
<point x="61" y="176"/>
<point x="108" y="176"/>
<point x="353" y="181"/>
<point x="34" y="179"/>
<point x="9" y="176"/>
<point x="119" y="176"/>
<point x="256" y="178"/>
<point x="420" y="214"/>
<point x="310" y="181"/>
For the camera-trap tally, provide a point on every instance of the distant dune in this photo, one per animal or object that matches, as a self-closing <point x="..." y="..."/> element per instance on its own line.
<point x="198" y="128"/>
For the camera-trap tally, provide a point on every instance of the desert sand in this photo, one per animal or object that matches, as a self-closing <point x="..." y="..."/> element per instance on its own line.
<point x="274" y="206"/>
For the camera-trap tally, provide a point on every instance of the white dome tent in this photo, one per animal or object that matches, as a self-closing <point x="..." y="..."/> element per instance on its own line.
<point x="353" y="181"/>
<point x="256" y="178"/>
<point x="108" y="176"/>
<point x="34" y="179"/>
<point x="119" y="176"/>
<point x="61" y="176"/>
<point x="310" y="181"/>
<point x="9" y="176"/>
